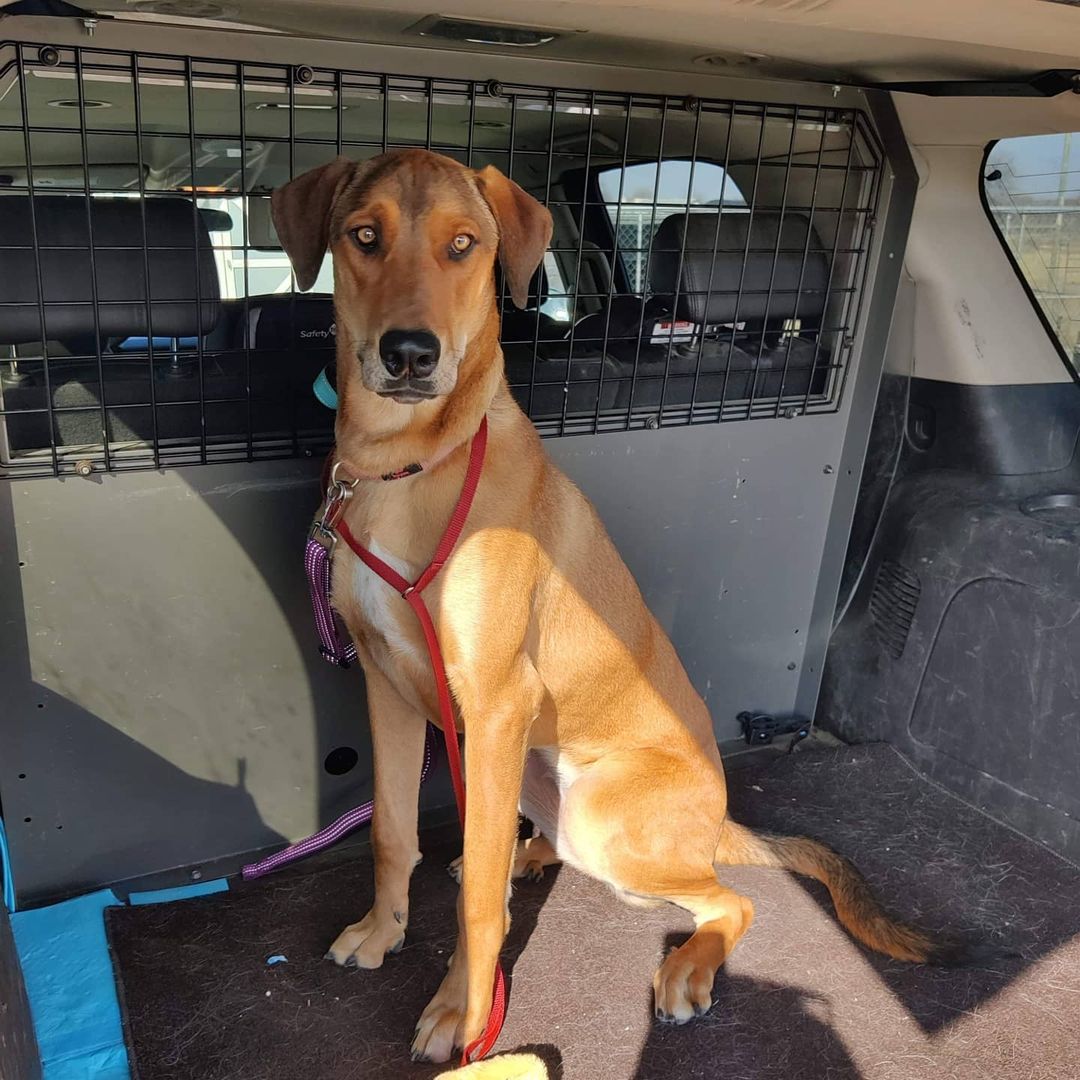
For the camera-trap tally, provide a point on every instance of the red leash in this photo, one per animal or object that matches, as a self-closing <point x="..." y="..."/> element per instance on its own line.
<point x="413" y="593"/>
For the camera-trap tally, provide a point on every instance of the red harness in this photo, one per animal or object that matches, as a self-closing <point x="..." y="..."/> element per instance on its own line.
<point x="412" y="592"/>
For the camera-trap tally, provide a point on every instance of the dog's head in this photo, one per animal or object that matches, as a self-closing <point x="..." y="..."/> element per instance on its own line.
<point x="414" y="236"/>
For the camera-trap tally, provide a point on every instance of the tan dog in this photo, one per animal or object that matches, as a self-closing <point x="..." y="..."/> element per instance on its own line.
<point x="571" y="697"/>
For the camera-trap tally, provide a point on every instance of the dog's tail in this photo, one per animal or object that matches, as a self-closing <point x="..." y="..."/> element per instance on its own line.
<point x="856" y="906"/>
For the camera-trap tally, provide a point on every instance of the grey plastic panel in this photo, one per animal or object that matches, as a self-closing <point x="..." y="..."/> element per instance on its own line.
<point x="166" y="705"/>
<point x="723" y="528"/>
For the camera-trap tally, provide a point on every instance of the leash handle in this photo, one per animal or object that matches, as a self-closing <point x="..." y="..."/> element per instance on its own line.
<point x="480" y="1048"/>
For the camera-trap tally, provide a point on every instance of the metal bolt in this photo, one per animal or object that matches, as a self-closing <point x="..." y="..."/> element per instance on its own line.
<point x="49" y="56"/>
<point x="836" y="90"/>
<point x="84" y="467"/>
<point x="792" y="412"/>
<point x="690" y="104"/>
<point x="303" y="75"/>
<point x="493" y="88"/>
<point x="88" y="26"/>
<point x="792" y="666"/>
<point x="196" y="875"/>
<point x="828" y="470"/>
<point x="653" y="423"/>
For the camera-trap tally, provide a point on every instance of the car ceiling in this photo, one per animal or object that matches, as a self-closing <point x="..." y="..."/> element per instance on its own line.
<point x="844" y="40"/>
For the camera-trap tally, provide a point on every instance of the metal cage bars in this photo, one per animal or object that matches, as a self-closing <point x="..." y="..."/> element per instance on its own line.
<point x="786" y="162"/>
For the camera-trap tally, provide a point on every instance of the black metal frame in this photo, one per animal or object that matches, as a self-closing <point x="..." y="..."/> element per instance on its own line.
<point x="573" y="368"/>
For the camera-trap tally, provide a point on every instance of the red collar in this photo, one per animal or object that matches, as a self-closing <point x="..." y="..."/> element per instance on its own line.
<point x="405" y="470"/>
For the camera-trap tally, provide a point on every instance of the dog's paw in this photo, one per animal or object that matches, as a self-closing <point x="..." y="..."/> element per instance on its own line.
<point x="530" y="870"/>
<point x="682" y="989"/>
<point x="454" y="869"/>
<point x="440" y="1030"/>
<point x="366" y="943"/>
<point x="531" y="857"/>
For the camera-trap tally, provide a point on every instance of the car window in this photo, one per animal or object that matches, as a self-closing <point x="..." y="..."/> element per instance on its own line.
<point x="1032" y="191"/>
<point x="640" y="196"/>
<point x="557" y="304"/>
<point x="267" y="270"/>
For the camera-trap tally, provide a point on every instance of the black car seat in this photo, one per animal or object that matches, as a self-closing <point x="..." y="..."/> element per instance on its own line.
<point x="290" y="339"/>
<point x="743" y="280"/>
<point x="161" y="285"/>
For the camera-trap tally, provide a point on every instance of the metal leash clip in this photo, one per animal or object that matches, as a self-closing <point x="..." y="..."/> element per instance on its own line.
<point x="337" y="495"/>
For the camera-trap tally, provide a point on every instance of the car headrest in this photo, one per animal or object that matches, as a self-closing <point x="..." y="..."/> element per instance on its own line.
<point x="538" y="289"/>
<point x="179" y="257"/>
<point x="287" y="322"/>
<point x="704" y="268"/>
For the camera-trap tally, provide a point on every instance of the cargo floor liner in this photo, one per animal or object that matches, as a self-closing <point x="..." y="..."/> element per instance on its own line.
<point x="797" y="999"/>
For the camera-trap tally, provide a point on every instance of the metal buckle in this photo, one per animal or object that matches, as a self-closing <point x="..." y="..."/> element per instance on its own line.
<point x="337" y="495"/>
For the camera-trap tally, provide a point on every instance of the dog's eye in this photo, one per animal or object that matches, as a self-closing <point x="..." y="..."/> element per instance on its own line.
<point x="460" y="244"/>
<point x="366" y="238"/>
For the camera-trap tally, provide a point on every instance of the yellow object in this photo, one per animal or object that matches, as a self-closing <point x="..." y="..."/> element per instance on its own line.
<point x="503" y="1067"/>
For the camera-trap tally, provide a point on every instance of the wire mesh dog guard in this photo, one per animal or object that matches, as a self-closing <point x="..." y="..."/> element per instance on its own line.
<point x="708" y="260"/>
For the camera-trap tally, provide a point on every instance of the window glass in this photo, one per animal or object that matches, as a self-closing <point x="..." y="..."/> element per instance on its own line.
<point x="1032" y="187"/>
<point x="638" y="200"/>
<point x="557" y="304"/>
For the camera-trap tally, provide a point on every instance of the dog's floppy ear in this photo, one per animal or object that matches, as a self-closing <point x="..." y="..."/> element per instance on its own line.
<point x="301" y="211"/>
<point x="524" y="230"/>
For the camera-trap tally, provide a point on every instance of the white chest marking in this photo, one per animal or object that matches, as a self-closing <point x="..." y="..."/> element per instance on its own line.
<point x="382" y="607"/>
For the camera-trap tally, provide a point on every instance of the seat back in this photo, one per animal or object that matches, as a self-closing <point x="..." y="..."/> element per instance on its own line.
<point x="95" y="282"/>
<point x="760" y="268"/>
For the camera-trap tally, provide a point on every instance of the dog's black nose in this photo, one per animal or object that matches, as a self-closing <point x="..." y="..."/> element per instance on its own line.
<point x="409" y="352"/>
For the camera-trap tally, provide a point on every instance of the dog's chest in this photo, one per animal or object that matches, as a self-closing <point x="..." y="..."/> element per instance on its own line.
<point x="379" y="604"/>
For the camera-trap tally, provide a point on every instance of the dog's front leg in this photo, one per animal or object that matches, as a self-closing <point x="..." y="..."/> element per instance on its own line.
<point x="397" y="736"/>
<point x="494" y="766"/>
<point x="496" y="742"/>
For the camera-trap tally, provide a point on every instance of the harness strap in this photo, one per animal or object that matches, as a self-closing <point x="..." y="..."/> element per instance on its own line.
<point x="412" y="593"/>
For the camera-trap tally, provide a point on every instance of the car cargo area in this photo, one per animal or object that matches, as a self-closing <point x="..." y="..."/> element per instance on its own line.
<point x="806" y="335"/>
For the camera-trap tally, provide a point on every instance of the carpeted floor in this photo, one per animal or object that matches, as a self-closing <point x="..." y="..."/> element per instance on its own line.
<point x="798" y="999"/>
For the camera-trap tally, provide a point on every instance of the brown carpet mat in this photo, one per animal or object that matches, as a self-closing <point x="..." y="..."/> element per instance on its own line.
<point x="798" y="998"/>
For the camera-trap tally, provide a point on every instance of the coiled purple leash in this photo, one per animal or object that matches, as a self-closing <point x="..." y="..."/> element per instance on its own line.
<point x="338" y="649"/>
<point x="354" y="819"/>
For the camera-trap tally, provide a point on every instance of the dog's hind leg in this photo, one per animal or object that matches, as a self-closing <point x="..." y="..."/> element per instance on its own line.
<point x="647" y="822"/>
<point x="397" y="733"/>
<point x="530" y="859"/>
<point x="532" y="856"/>
<point x="682" y="985"/>
<point x="540" y="804"/>
<point x="540" y="801"/>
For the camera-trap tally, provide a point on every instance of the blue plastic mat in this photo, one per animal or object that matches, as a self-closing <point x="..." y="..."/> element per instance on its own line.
<point x="69" y="980"/>
<point x="184" y="892"/>
<point x="5" y="870"/>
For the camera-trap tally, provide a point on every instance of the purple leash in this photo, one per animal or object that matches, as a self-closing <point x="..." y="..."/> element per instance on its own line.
<point x="345" y="824"/>
<point x="333" y="643"/>
<point x="335" y="646"/>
